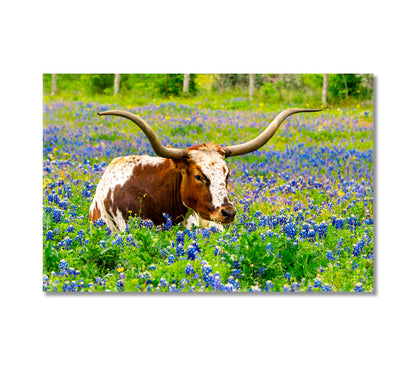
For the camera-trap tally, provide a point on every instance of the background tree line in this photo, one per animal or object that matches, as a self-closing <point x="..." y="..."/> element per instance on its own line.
<point x="322" y="89"/>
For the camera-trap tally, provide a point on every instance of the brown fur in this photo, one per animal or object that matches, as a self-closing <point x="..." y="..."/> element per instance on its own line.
<point x="169" y="187"/>
<point x="96" y="214"/>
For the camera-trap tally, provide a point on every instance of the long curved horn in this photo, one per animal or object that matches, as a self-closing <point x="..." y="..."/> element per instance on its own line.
<point x="265" y="136"/>
<point x="157" y="146"/>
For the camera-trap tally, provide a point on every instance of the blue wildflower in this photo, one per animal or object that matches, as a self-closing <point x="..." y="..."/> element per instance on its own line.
<point x="168" y="224"/>
<point x="268" y="286"/>
<point x="359" y="287"/>
<point x="171" y="259"/>
<point x="99" y="223"/>
<point x="57" y="215"/>
<point x="179" y="250"/>
<point x="189" y="269"/>
<point x="49" y="235"/>
<point x="287" y="276"/>
<point x="330" y="255"/>
<point x="290" y="230"/>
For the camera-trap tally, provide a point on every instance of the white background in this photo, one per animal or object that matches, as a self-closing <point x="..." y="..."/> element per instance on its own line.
<point x="205" y="333"/>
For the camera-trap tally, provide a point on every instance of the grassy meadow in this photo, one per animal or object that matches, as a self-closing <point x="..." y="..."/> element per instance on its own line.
<point x="304" y="201"/>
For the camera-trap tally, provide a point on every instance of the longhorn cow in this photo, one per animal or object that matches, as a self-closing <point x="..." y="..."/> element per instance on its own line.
<point x="188" y="184"/>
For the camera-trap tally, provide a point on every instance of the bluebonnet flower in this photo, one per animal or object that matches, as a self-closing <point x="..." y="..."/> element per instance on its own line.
<point x="356" y="250"/>
<point x="184" y="283"/>
<point x="46" y="282"/>
<point x="317" y="283"/>
<point x="65" y="287"/>
<point x="63" y="267"/>
<point x="57" y="215"/>
<point x="359" y="287"/>
<point x="322" y="229"/>
<point x="49" y="235"/>
<point x="268" y="286"/>
<point x="146" y="275"/>
<point x="180" y="237"/>
<point x="352" y="222"/>
<point x="163" y="282"/>
<point x="294" y="287"/>
<point x="179" y="250"/>
<point x="99" y="223"/>
<point x="173" y="288"/>
<point x="63" y="204"/>
<point x="338" y="223"/>
<point x="236" y="273"/>
<point x="229" y="287"/>
<point x="171" y="259"/>
<point x="205" y="233"/>
<point x="168" y="224"/>
<point x="311" y="235"/>
<point x="327" y="288"/>
<point x="192" y="250"/>
<point x="189" y="269"/>
<point x="50" y="198"/>
<point x="130" y="240"/>
<point x="290" y="230"/>
<point x="67" y="241"/>
<point x="216" y="284"/>
<point x="120" y="285"/>
<point x="287" y="276"/>
<point x="72" y="286"/>
<point x="86" y="193"/>
<point x="152" y="267"/>
<point x="330" y="255"/>
<point x="118" y="240"/>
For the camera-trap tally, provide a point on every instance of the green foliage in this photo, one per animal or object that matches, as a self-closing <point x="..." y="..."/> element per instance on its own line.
<point x="341" y="86"/>
<point x="172" y="85"/>
<point x="220" y="91"/>
<point x="98" y="83"/>
<point x="232" y="81"/>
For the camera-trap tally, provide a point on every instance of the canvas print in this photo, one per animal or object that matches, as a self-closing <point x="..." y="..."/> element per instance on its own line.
<point x="231" y="183"/>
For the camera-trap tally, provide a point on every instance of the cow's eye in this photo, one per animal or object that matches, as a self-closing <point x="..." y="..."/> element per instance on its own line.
<point x="198" y="178"/>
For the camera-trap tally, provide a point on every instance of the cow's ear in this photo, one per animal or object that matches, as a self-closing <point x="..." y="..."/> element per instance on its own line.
<point x="221" y="151"/>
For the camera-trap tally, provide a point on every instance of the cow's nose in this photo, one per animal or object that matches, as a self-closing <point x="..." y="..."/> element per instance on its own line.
<point x="228" y="212"/>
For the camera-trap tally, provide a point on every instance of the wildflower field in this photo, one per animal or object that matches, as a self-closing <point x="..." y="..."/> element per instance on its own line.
<point x="304" y="203"/>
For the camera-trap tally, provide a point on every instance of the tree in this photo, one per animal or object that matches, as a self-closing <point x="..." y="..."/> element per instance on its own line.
<point x="325" y="90"/>
<point x="116" y="84"/>
<point x="251" y="86"/>
<point x="186" y="79"/>
<point x="53" y="85"/>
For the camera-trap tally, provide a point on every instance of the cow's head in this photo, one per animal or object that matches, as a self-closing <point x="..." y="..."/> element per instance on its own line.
<point x="204" y="183"/>
<point x="203" y="168"/>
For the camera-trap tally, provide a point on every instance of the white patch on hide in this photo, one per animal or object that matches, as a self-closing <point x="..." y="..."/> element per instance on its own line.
<point x="118" y="172"/>
<point x="192" y="220"/>
<point x="212" y="165"/>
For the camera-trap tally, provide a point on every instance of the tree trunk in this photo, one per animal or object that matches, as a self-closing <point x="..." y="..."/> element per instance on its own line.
<point x="346" y="87"/>
<point x="186" y="79"/>
<point x="53" y="92"/>
<point x="167" y="85"/>
<point x="116" y="84"/>
<point x="251" y="87"/>
<point x="325" y="90"/>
